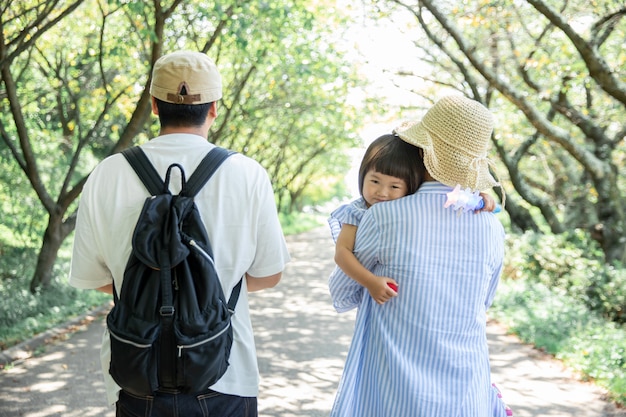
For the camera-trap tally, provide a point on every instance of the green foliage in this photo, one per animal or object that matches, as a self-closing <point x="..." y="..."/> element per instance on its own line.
<point x="293" y="115"/>
<point x="17" y="262"/>
<point x="552" y="74"/>
<point x="573" y="264"/>
<point x="563" y="326"/>
<point x="81" y="97"/>
<point x="294" y="223"/>
<point x="558" y="294"/>
<point x="23" y="217"/>
<point x="600" y="354"/>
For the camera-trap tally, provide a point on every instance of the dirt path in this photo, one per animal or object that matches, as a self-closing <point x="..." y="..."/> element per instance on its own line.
<point x="301" y="344"/>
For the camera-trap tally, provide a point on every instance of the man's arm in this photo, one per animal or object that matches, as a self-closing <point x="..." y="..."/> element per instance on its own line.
<point x="261" y="283"/>
<point x="254" y="283"/>
<point x="107" y="289"/>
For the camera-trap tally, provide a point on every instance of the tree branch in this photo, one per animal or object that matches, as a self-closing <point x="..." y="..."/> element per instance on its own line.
<point x="555" y="133"/>
<point x="34" y="31"/>
<point x="29" y="164"/>
<point x="599" y="70"/>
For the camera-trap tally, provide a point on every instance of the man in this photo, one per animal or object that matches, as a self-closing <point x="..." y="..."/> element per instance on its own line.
<point x="238" y="209"/>
<point x="424" y="352"/>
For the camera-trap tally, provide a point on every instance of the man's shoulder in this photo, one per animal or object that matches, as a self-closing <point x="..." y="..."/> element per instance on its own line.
<point x="242" y="166"/>
<point x="109" y="166"/>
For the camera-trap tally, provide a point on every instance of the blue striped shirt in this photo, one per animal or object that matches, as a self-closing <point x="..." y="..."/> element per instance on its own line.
<point x="424" y="353"/>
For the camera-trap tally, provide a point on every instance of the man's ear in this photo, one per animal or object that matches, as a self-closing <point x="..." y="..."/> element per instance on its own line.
<point x="155" y="109"/>
<point x="213" y="110"/>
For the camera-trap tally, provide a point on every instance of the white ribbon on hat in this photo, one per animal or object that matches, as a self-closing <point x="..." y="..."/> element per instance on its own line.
<point x="475" y="165"/>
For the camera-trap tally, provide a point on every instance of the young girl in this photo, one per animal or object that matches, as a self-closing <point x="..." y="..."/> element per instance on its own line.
<point x="390" y="169"/>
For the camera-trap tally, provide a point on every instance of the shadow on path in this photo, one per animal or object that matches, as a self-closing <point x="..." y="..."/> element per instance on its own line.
<point x="301" y="345"/>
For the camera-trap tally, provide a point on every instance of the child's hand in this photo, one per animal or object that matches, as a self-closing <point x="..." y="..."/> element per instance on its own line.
<point x="489" y="203"/>
<point x="380" y="290"/>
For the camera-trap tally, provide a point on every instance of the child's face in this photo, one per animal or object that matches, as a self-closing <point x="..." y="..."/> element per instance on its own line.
<point x="379" y="187"/>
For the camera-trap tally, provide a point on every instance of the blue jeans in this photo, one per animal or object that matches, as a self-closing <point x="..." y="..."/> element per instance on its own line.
<point x="206" y="404"/>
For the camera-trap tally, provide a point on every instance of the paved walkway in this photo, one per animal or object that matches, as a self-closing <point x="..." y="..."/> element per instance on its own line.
<point x="301" y="345"/>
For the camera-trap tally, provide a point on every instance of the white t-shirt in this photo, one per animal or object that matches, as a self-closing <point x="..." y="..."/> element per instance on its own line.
<point x="239" y="211"/>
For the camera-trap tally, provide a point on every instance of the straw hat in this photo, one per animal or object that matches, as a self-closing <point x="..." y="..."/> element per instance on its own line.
<point x="455" y="135"/>
<point x="193" y="72"/>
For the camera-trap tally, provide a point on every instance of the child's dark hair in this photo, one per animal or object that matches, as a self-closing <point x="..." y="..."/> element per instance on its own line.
<point x="392" y="156"/>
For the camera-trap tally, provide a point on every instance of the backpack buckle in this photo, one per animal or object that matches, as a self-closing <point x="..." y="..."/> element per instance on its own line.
<point x="167" y="310"/>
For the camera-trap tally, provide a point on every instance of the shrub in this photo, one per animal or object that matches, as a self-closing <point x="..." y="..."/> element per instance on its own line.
<point x="23" y="314"/>
<point x="573" y="264"/>
<point x="565" y="328"/>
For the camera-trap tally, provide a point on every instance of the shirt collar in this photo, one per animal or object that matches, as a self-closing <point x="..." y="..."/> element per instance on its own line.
<point x="179" y="137"/>
<point x="433" y="187"/>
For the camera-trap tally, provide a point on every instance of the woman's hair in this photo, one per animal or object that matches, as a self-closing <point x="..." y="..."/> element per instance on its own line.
<point x="392" y="156"/>
<point x="182" y="115"/>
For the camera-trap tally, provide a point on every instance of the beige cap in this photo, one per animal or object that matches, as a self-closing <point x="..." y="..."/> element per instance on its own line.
<point x="194" y="71"/>
<point x="455" y="135"/>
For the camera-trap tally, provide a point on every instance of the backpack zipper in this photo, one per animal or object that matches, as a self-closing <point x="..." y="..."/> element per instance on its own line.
<point x="202" y="252"/>
<point x="205" y="255"/>
<point x="215" y="336"/>
<point x="130" y="342"/>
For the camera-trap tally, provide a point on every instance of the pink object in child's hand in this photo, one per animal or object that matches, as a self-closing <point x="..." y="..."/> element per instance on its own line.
<point x="392" y="286"/>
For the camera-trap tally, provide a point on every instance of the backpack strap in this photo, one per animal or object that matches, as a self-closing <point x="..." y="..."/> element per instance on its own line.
<point x="205" y="170"/>
<point x="151" y="179"/>
<point x="146" y="172"/>
<point x="234" y="297"/>
<point x="199" y="177"/>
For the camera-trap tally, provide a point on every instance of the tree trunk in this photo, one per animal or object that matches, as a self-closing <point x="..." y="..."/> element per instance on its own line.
<point x="53" y="238"/>
<point x="610" y="231"/>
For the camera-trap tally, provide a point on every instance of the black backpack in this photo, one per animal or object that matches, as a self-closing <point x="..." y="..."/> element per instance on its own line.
<point x="170" y="327"/>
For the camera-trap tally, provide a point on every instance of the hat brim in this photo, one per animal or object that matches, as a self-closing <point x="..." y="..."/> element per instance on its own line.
<point x="455" y="168"/>
<point x="414" y="133"/>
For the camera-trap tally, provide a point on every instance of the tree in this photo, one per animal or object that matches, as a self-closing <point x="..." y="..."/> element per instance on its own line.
<point x="553" y="72"/>
<point x="70" y="101"/>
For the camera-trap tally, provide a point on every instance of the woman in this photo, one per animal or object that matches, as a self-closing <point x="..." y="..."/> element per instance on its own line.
<point x="424" y="353"/>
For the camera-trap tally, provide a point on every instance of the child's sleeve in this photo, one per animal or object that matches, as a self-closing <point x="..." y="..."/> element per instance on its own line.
<point x="345" y="292"/>
<point x="345" y="214"/>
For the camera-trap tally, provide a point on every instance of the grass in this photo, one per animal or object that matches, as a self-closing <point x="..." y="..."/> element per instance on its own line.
<point x="24" y="315"/>
<point x="565" y="328"/>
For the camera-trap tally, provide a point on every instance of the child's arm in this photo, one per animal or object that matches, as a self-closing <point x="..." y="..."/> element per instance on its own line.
<point x="350" y="265"/>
